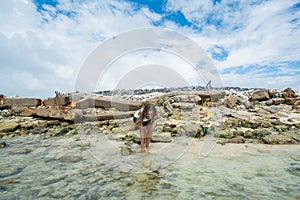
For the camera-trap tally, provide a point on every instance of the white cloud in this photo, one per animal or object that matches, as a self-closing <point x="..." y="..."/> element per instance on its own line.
<point x="50" y="46"/>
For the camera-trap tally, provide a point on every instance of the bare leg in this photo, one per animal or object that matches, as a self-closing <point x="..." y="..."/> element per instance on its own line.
<point x="148" y="140"/>
<point x="149" y="136"/>
<point x="142" y="145"/>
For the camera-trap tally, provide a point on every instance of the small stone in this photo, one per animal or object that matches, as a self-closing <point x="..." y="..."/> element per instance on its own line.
<point x="126" y="151"/>
<point x="3" y="144"/>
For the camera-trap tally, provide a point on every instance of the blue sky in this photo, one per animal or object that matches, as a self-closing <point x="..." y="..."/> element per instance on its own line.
<point x="43" y="43"/>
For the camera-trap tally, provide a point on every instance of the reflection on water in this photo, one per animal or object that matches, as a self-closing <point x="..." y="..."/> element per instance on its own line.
<point x="34" y="167"/>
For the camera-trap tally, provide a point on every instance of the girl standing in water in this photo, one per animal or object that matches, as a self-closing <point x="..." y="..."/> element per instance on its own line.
<point x="144" y="118"/>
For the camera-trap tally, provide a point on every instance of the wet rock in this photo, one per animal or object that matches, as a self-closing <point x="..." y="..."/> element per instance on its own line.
<point x="238" y="133"/>
<point x="177" y="131"/>
<point x="227" y="134"/>
<point x="3" y="144"/>
<point x="237" y="140"/>
<point x="260" y="95"/>
<point x="293" y="135"/>
<point x="147" y="163"/>
<point x="125" y="150"/>
<point x="258" y="133"/>
<point x="8" y="126"/>
<point x="294" y="169"/>
<point x="52" y="123"/>
<point x="9" y="170"/>
<point x="278" y="139"/>
<point x="70" y="158"/>
<point x="10" y="196"/>
<point x="192" y="130"/>
<point x="123" y="129"/>
<point x="162" y="139"/>
<point x="22" y="151"/>
<point x="39" y="130"/>
<point x="58" y="131"/>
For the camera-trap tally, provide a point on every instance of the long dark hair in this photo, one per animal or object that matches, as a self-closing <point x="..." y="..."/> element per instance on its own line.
<point x="145" y="114"/>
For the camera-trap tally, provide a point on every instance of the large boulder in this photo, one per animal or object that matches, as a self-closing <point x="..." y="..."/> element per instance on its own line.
<point x="288" y="93"/>
<point x="61" y="114"/>
<point x="260" y="95"/>
<point x="22" y="102"/>
<point x="8" y="126"/>
<point x="108" y="102"/>
<point x="186" y="98"/>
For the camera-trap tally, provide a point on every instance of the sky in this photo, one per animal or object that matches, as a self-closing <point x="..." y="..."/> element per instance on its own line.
<point x="45" y="43"/>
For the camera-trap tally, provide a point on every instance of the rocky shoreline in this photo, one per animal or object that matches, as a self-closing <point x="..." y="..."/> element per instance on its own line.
<point x="232" y="115"/>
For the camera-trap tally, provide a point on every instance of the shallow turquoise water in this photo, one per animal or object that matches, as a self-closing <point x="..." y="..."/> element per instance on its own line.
<point x="35" y="167"/>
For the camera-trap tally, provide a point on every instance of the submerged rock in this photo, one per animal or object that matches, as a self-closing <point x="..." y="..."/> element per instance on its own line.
<point x="2" y="144"/>
<point x="126" y="150"/>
